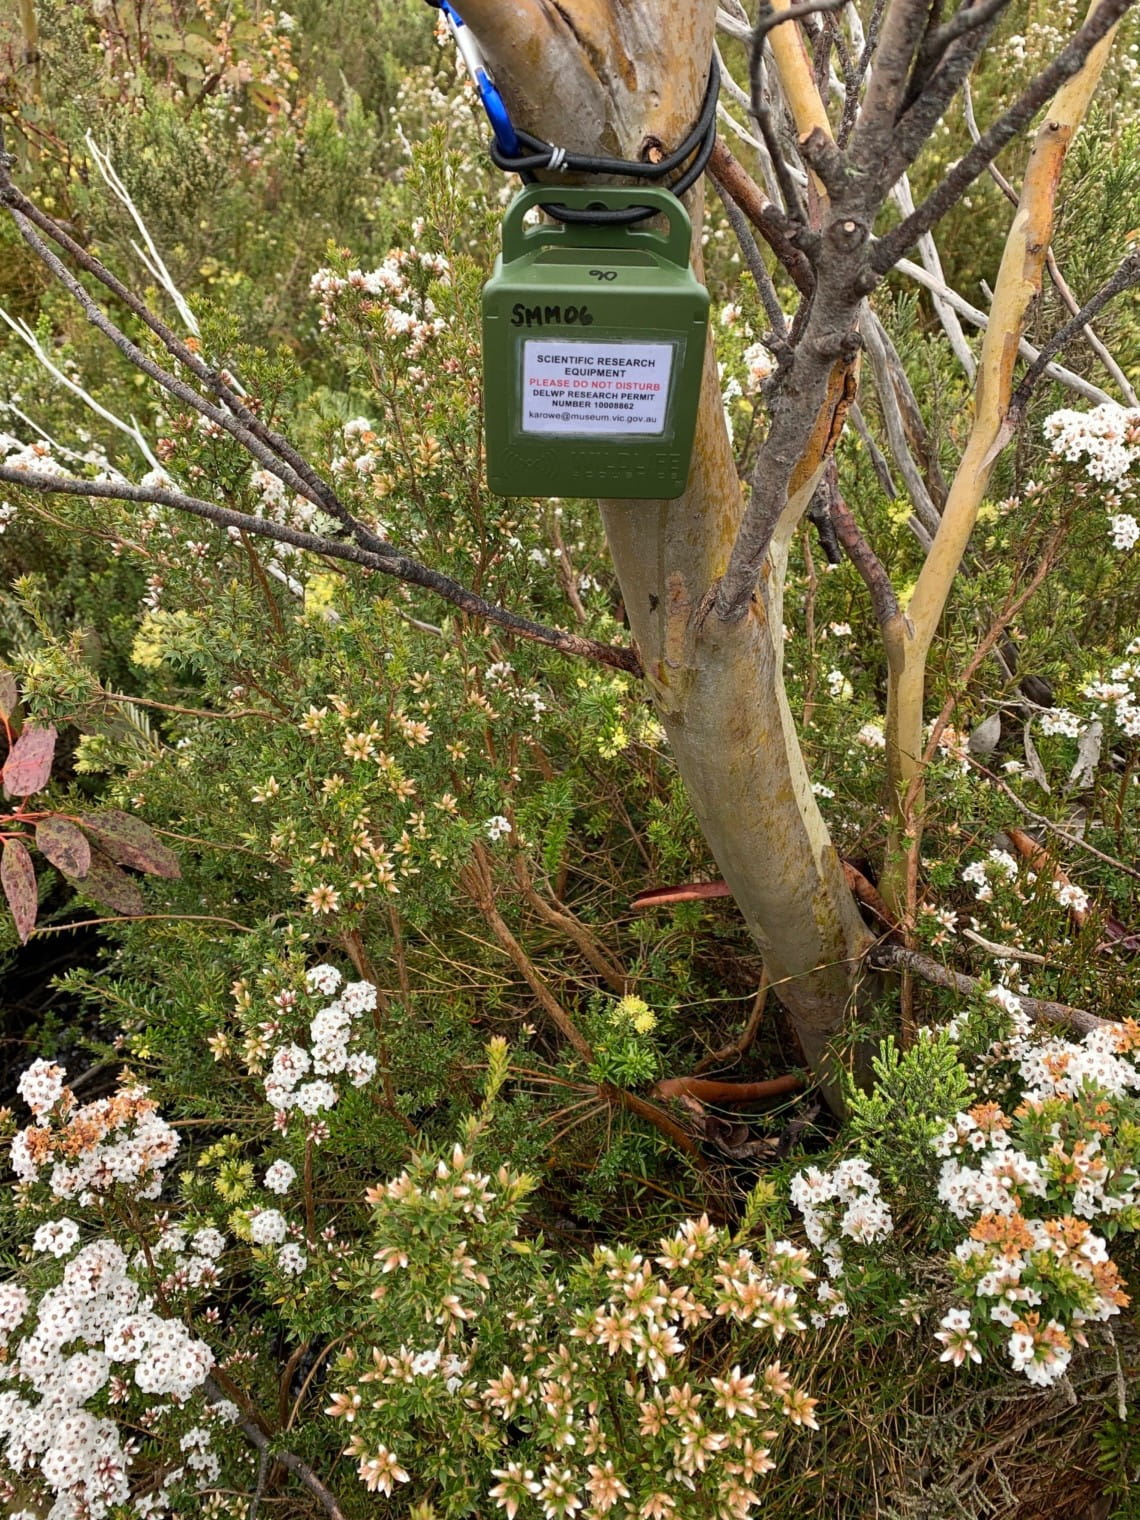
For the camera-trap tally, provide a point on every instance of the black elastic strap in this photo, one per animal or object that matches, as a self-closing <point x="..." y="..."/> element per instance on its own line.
<point x="696" y="148"/>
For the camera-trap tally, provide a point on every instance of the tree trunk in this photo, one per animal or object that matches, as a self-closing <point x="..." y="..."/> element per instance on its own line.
<point x="591" y="76"/>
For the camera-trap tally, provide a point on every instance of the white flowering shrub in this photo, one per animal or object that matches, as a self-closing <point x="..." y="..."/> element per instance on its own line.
<point x="100" y="1374"/>
<point x="488" y="1375"/>
<point x="1042" y="1172"/>
<point x="843" y="1203"/>
<point x="1035" y="1172"/>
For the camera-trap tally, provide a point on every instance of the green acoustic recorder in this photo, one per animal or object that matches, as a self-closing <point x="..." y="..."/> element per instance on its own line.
<point x="593" y="349"/>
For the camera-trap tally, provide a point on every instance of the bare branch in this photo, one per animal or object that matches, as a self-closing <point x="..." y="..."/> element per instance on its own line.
<point x="807" y="416"/>
<point x="738" y="26"/>
<point x="390" y="563"/>
<point x="1126" y="276"/>
<point x="762" y="116"/>
<point x="1074" y="840"/>
<point x="978" y="318"/>
<point x="871" y="145"/>
<point x="770" y="18"/>
<point x="874" y="338"/>
<point x="1068" y="62"/>
<point x="965" y="20"/>
<point x="772" y="224"/>
<point x="763" y="280"/>
<point x="930" y="970"/>
<point x="878" y="583"/>
<point x="1060" y="284"/>
<point x="929" y="93"/>
<point x="903" y="197"/>
<point x="233" y="414"/>
<point x="855" y="84"/>
<point x="878" y="460"/>
<point x="221" y="416"/>
<point x="260" y="1439"/>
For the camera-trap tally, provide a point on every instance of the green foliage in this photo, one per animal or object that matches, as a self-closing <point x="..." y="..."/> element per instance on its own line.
<point x="915" y="1094"/>
<point x="328" y="755"/>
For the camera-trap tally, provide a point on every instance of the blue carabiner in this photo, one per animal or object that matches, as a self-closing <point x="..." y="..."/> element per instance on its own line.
<point x="493" y="104"/>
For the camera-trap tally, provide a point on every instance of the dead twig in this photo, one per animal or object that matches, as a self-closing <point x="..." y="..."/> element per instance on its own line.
<point x="891" y="956"/>
<point x="477" y="882"/>
<point x="728" y="1055"/>
<point x="255" y="1432"/>
<point x="572" y="927"/>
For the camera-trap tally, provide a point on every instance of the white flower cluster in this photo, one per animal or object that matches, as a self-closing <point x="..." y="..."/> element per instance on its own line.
<point x="1014" y="1255"/>
<point x="95" y="1333"/>
<point x="1002" y="1178"/>
<point x="1119" y="695"/>
<point x="278" y="504"/>
<point x="117" y="1140"/>
<point x="844" y="1203"/>
<point x="32" y="458"/>
<point x="1107" y="438"/>
<point x="397" y="289"/>
<point x="1057" y="1068"/>
<point x="872" y="735"/>
<point x="334" y="1050"/>
<point x="280" y="1177"/>
<point x="759" y="365"/>
<point x="84" y="1334"/>
<point x="269" y="1227"/>
<point x="980" y="873"/>
<point x="1125" y="530"/>
<point x="1059" y="720"/>
<point x="41" y="1086"/>
<point x="1070" y="896"/>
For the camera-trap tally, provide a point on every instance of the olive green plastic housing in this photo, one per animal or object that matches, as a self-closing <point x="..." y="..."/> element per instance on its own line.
<point x="593" y="349"/>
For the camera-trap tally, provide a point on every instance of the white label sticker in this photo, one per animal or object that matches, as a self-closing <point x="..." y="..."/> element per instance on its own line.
<point x="597" y="387"/>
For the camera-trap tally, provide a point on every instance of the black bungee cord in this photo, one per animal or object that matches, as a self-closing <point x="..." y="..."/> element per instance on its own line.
<point x="521" y="153"/>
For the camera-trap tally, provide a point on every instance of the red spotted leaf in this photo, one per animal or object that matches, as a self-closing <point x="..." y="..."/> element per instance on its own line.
<point x="18" y="877"/>
<point x="65" y="845"/>
<point x="112" y="888"/>
<point x="28" y="765"/>
<point x="129" y="842"/>
<point x="9" y="694"/>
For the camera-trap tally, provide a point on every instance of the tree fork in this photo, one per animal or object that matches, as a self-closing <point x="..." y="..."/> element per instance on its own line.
<point x="596" y="77"/>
